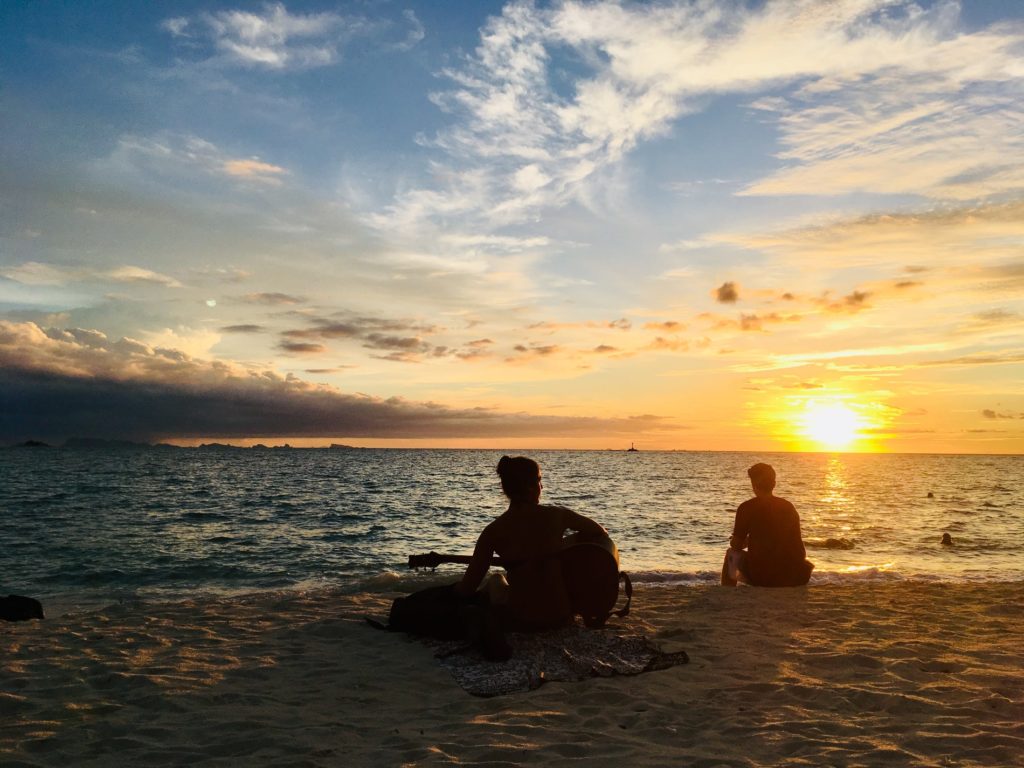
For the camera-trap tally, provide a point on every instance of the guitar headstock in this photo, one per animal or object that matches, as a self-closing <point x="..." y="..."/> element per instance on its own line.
<point x="429" y="560"/>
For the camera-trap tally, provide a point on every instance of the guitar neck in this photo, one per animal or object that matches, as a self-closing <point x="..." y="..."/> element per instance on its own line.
<point x="433" y="559"/>
<point x="464" y="560"/>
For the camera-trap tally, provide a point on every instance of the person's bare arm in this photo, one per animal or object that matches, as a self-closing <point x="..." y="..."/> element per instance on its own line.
<point x="584" y="526"/>
<point x="738" y="540"/>
<point x="478" y="564"/>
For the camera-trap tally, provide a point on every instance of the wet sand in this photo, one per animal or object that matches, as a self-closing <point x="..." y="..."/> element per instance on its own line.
<point x="858" y="675"/>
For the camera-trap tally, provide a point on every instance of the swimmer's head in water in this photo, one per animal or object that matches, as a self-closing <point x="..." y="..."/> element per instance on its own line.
<point x="520" y="478"/>
<point x="762" y="477"/>
<point x="947" y="540"/>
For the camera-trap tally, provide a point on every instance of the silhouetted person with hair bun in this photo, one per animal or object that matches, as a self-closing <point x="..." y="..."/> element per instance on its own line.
<point x="534" y="595"/>
<point x="766" y="548"/>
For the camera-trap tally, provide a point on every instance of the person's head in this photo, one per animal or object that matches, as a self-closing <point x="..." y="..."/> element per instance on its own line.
<point x="520" y="478"/>
<point x="947" y="540"/>
<point x="762" y="478"/>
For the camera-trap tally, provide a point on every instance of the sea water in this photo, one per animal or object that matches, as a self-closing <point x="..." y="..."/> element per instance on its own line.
<point x="79" y="526"/>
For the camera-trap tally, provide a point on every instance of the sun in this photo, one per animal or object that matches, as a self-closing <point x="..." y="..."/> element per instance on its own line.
<point x="831" y="425"/>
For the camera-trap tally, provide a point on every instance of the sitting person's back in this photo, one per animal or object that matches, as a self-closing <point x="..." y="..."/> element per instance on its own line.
<point x="528" y="534"/>
<point x="768" y="528"/>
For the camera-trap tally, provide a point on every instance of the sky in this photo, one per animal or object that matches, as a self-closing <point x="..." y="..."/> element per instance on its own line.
<point x="685" y="225"/>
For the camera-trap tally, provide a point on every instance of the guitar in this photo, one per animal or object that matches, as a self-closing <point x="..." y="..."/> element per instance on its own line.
<point x="590" y="571"/>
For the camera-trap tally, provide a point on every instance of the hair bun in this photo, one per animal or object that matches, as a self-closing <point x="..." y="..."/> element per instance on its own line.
<point x="504" y="464"/>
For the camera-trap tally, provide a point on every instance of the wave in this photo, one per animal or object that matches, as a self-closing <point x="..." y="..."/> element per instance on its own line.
<point x="394" y="582"/>
<point x="840" y="543"/>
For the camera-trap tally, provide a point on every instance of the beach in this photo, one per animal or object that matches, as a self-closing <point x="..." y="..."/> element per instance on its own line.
<point x="861" y="674"/>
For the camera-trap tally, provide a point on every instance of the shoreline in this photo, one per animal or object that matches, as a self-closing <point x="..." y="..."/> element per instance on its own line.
<point x="859" y="674"/>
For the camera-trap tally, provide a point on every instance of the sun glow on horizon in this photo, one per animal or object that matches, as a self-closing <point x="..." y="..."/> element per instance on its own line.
<point x="831" y="425"/>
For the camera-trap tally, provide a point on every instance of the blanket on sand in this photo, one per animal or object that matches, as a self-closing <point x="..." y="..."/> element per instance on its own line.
<point x="563" y="655"/>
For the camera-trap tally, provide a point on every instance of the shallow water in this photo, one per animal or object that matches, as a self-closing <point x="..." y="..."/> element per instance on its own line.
<point x="119" y="524"/>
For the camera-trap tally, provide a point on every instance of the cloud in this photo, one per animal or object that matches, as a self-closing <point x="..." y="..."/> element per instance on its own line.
<point x="274" y="39"/>
<point x="243" y="328"/>
<point x="661" y="344"/>
<point x="254" y="169"/>
<point x="525" y="353"/>
<point x="55" y="384"/>
<point x="1008" y="357"/>
<point x="671" y="326"/>
<point x="949" y="133"/>
<point x="37" y="273"/>
<point x="852" y="302"/>
<point x="748" y="321"/>
<point x="173" y="156"/>
<point x="877" y="95"/>
<point x="176" y="26"/>
<point x="416" y="31"/>
<point x="407" y="346"/>
<point x="997" y="317"/>
<point x="988" y="413"/>
<point x="272" y="298"/>
<point x="130" y="274"/>
<point x="926" y="240"/>
<point x="301" y="347"/>
<point x="375" y="333"/>
<point x="727" y="293"/>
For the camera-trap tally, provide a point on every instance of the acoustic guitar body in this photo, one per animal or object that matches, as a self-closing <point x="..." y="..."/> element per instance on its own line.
<point x="590" y="571"/>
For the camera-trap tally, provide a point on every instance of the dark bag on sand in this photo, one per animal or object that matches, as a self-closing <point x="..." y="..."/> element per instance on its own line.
<point x="19" y="608"/>
<point x="434" y="612"/>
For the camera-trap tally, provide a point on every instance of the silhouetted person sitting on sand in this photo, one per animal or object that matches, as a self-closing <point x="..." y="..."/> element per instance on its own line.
<point x="766" y="549"/>
<point x="534" y="595"/>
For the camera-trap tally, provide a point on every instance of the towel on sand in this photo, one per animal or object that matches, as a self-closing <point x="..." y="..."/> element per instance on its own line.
<point x="562" y="655"/>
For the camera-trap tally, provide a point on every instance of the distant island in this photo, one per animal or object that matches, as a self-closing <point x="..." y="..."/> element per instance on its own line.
<point x="99" y="443"/>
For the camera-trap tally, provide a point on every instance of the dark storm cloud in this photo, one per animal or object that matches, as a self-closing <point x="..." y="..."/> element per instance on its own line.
<point x="57" y="384"/>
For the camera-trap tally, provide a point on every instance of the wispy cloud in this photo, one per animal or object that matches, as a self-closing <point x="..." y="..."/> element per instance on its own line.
<point x="912" y="242"/>
<point x="882" y="96"/>
<point x="272" y="298"/>
<point x="243" y="328"/>
<point x="272" y="39"/>
<point x="169" y="155"/>
<point x="254" y="170"/>
<point x="37" y="273"/>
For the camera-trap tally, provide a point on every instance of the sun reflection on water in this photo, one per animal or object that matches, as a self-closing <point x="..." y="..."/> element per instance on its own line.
<point x="863" y="568"/>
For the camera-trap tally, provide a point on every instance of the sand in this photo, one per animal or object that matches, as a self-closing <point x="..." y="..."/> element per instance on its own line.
<point x="865" y="674"/>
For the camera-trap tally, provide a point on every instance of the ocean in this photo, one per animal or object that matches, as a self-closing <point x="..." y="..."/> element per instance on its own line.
<point x="81" y="527"/>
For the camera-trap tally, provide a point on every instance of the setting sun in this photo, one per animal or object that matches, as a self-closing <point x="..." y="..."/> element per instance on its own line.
<point x="831" y="425"/>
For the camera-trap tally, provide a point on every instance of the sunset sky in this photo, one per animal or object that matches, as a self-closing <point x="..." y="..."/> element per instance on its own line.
<point x="691" y="225"/>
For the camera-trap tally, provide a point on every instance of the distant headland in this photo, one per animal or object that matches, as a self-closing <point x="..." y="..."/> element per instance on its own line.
<point x="96" y="443"/>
